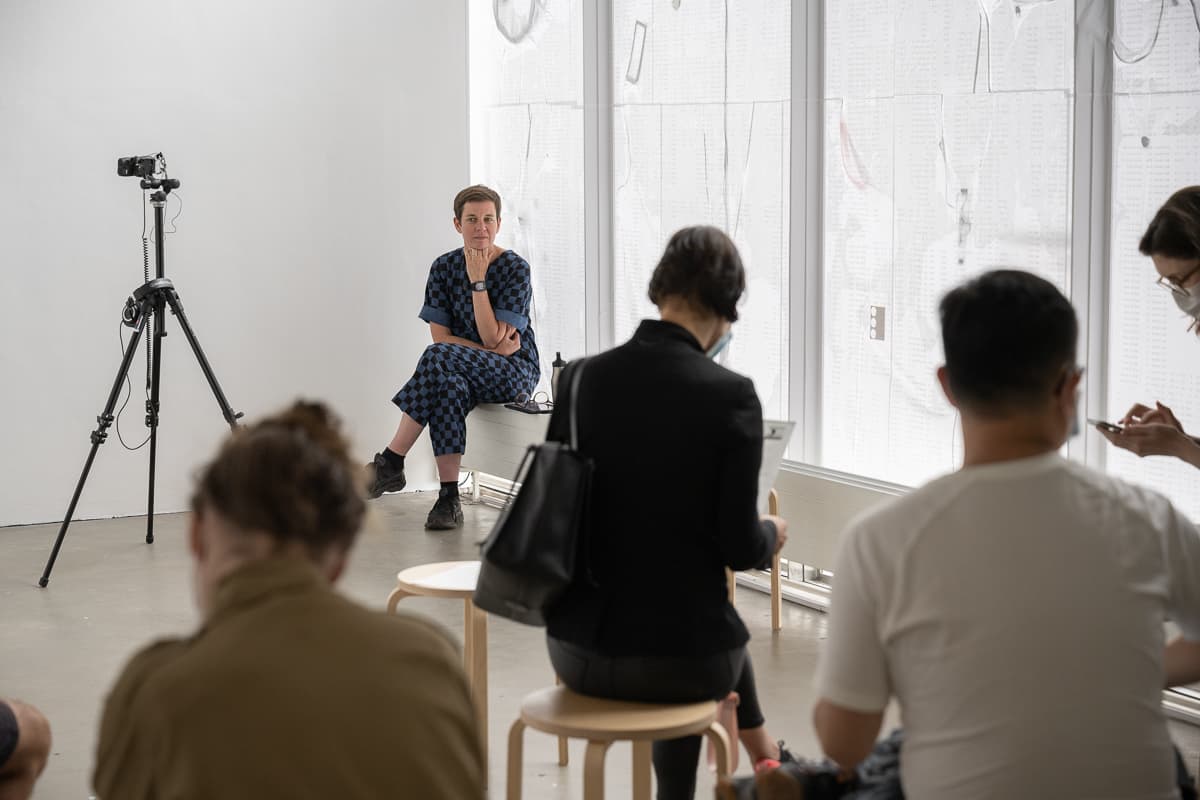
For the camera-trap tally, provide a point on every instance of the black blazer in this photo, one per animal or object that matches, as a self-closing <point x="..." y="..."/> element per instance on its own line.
<point x="676" y="440"/>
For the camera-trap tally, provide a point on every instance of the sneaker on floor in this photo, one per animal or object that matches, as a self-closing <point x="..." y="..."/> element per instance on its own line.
<point x="446" y="514"/>
<point x="383" y="477"/>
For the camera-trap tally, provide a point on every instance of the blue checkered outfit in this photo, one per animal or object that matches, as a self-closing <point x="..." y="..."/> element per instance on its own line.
<point x="451" y="379"/>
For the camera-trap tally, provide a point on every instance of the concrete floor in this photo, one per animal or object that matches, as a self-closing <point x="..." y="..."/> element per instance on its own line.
<point x="61" y="647"/>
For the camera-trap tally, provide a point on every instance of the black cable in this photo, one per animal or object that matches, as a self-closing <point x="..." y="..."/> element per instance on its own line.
<point x="178" y="197"/>
<point x="128" y="395"/>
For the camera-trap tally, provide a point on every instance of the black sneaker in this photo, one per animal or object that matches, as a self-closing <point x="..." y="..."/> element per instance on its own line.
<point x="446" y="514"/>
<point x="383" y="477"/>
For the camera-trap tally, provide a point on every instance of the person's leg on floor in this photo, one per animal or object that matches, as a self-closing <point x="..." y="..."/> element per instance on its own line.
<point x="675" y="767"/>
<point x="752" y="729"/>
<point x="24" y="749"/>
<point x="448" y="433"/>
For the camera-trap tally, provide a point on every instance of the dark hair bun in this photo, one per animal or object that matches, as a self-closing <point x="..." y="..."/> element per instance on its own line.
<point x="316" y="422"/>
<point x="289" y="476"/>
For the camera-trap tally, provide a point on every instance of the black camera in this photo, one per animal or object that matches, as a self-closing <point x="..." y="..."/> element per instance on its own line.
<point x="137" y="166"/>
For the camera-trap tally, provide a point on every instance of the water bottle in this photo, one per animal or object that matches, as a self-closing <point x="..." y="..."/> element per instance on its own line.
<point x="556" y="369"/>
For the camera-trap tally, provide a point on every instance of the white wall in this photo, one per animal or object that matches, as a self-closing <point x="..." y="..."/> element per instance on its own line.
<point x="319" y="146"/>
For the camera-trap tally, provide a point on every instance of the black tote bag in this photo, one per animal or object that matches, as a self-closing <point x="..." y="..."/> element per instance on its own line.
<point x="530" y="555"/>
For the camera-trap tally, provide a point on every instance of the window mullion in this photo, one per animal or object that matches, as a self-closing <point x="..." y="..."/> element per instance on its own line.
<point x="1091" y="177"/>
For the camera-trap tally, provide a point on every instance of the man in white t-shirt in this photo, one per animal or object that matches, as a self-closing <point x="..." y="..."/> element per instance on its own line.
<point x="1015" y="608"/>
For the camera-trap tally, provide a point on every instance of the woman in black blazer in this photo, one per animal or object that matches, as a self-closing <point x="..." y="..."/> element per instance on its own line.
<point x="676" y="440"/>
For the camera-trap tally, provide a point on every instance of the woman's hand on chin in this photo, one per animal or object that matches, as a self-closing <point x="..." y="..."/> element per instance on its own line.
<point x="477" y="262"/>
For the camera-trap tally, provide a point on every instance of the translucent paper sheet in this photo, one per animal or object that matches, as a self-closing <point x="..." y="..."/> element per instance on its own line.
<point x="701" y="133"/>
<point x="948" y="153"/>
<point x="526" y="95"/>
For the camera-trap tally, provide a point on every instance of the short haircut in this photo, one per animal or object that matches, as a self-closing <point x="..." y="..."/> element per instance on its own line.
<point x="289" y="476"/>
<point x="1175" y="230"/>
<point x="701" y="265"/>
<point x="475" y="194"/>
<point x="1008" y="336"/>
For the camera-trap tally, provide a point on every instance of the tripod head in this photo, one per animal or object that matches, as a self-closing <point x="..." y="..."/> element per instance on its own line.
<point x="163" y="185"/>
<point x="152" y="170"/>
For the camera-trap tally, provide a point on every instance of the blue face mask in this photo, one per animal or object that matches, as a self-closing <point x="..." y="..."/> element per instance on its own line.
<point x="720" y="345"/>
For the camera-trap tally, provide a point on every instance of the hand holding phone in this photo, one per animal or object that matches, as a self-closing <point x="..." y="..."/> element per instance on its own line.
<point x="1107" y="427"/>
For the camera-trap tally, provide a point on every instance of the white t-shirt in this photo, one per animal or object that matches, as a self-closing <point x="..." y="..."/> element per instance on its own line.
<point x="1015" y="611"/>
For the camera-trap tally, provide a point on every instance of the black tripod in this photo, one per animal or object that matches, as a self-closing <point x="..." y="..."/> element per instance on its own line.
<point x="148" y="301"/>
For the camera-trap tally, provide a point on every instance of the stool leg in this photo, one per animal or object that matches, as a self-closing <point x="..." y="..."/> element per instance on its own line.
<point x="731" y="586"/>
<point x="562" y="740"/>
<point x="641" y="770"/>
<point x="776" y="596"/>
<point x="476" y="634"/>
<point x="593" y="770"/>
<point x="394" y="599"/>
<point x="468" y="639"/>
<point x="720" y="746"/>
<point x="776" y="591"/>
<point x="516" y="759"/>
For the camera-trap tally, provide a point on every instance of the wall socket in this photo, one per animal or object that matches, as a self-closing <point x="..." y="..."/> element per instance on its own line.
<point x="878" y="327"/>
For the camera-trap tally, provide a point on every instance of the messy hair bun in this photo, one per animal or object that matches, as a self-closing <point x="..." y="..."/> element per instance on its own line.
<point x="289" y="476"/>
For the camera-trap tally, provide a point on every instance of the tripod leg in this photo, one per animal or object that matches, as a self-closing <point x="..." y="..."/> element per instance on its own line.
<point x="98" y="436"/>
<point x="231" y="416"/>
<point x="156" y="346"/>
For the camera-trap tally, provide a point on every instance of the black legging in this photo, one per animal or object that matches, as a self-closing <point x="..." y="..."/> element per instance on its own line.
<point x="664" y="679"/>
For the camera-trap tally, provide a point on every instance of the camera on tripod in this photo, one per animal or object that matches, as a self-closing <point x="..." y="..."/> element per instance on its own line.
<point x="138" y="166"/>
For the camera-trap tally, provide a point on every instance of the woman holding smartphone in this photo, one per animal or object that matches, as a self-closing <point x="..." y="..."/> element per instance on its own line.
<point x="1172" y="241"/>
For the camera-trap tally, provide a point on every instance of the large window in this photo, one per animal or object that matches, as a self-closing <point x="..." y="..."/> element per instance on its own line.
<point x="1156" y="150"/>
<point x="526" y="95"/>
<point x="701" y="115"/>
<point x="947" y="152"/>
<point x="946" y="147"/>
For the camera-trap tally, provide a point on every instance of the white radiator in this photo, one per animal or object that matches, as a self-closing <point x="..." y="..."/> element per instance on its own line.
<point x="818" y="504"/>
<point x="497" y="438"/>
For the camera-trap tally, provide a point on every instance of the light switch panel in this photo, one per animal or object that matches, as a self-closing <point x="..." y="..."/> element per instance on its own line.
<point x="878" y="323"/>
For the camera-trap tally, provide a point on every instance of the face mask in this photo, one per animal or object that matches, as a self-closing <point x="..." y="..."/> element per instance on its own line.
<point x="720" y="345"/>
<point x="1189" y="303"/>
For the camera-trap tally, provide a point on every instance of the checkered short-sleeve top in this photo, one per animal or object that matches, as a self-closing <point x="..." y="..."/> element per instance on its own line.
<point x="448" y="299"/>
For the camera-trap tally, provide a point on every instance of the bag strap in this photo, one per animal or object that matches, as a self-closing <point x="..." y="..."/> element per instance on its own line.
<point x="574" y="413"/>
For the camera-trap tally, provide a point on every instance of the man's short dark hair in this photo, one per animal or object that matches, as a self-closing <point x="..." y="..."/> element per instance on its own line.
<point x="476" y="194"/>
<point x="701" y="265"/>
<point x="1009" y="338"/>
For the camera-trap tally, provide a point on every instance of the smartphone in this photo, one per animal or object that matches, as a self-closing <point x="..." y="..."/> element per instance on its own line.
<point x="531" y="407"/>
<point x="1106" y="426"/>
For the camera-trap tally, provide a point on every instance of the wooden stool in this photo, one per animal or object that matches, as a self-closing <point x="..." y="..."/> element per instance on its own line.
<point x="455" y="579"/>
<point x="776" y="589"/>
<point x="561" y="712"/>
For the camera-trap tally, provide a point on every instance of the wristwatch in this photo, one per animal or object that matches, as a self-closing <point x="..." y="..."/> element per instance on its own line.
<point x="479" y="286"/>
